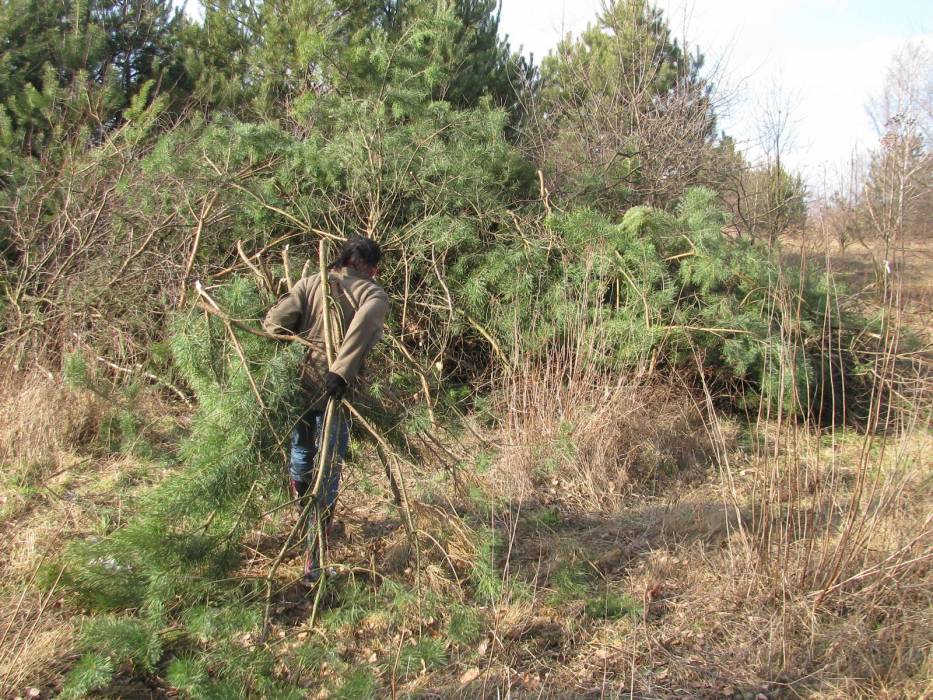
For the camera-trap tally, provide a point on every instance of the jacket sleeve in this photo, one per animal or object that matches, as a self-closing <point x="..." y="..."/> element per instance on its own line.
<point x="286" y="315"/>
<point x="363" y="333"/>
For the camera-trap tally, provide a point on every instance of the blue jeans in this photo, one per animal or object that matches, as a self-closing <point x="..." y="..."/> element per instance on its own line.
<point x="306" y="436"/>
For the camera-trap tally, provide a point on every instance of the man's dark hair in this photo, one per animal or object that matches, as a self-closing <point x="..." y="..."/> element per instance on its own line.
<point x="358" y="250"/>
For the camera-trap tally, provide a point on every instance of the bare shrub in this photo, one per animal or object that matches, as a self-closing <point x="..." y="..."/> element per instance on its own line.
<point x="93" y="255"/>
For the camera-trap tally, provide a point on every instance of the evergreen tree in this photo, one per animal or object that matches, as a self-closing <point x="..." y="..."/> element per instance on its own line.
<point x="661" y="285"/>
<point x="184" y="539"/>
<point x="216" y="55"/>
<point x="47" y="46"/>
<point x="483" y="63"/>
<point x="72" y="67"/>
<point x="624" y="115"/>
<point x="258" y="58"/>
<point x="141" y="43"/>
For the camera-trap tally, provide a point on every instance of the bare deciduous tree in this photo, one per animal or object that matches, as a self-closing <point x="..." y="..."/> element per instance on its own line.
<point x="842" y="211"/>
<point x="898" y="195"/>
<point x="766" y="199"/>
<point x="623" y="113"/>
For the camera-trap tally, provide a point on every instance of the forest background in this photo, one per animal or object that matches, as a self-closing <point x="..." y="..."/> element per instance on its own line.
<point x="654" y="419"/>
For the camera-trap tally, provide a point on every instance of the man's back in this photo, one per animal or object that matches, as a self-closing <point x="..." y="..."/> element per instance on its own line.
<point x="362" y="304"/>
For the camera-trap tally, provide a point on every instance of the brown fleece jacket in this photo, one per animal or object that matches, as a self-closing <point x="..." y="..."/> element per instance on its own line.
<point x="363" y="305"/>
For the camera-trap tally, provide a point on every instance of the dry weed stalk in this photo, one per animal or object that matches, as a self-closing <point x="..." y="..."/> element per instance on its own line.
<point x="587" y="436"/>
<point x="595" y="441"/>
<point x="833" y="531"/>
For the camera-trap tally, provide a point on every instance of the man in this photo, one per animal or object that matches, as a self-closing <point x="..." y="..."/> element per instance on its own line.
<point x="361" y="306"/>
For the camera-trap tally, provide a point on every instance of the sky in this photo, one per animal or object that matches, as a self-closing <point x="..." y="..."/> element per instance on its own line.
<point x="825" y="59"/>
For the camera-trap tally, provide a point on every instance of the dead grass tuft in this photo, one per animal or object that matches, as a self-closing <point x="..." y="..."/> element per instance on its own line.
<point x="42" y="421"/>
<point x="573" y="438"/>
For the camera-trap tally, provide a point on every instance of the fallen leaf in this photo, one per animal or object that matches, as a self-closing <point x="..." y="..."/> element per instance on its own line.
<point x="540" y="627"/>
<point x="470" y="675"/>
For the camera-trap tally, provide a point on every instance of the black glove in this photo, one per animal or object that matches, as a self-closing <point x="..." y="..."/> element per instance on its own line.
<point x="335" y="385"/>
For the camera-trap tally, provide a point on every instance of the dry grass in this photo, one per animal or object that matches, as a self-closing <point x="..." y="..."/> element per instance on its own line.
<point x="860" y="266"/>
<point x="42" y="421"/>
<point x="572" y="436"/>
<point x="57" y="483"/>
<point x="734" y="597"/>
<point x="749" y="604"/>
<point x="782" y="558"/>
<point x="773" y="558"/>
<point x="37" y="652"/>
<point x="716" y="604"/>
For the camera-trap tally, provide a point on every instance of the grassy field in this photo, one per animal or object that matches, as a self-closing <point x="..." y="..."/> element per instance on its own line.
<point x="623" y="539"/>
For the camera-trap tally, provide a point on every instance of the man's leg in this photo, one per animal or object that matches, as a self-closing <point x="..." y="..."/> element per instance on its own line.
<point x="303" y="453"/>
<point x="340" y="440"/>
<point x="330" y="484"/>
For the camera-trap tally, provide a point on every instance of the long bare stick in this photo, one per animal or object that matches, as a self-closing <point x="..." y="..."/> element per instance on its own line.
<point x="205" y="210"/>
<point x="286" y="266"/>
<point x="384" y="449"/>
<point x="302" y="518"/>
<point x="263" y="275"/>
<point x="325" y="448"/>
<point x="325" y="303"/>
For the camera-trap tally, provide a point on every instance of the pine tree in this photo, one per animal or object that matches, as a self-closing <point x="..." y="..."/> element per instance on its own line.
<point x="624" y="115"/>
<point x="71" y="68"/>
<point x="141" y="43"/>
<point x="666" y="285"/>
<point x="186" y="536"/>
<point x="216" y="56"/>
<point x="483" y="62"/>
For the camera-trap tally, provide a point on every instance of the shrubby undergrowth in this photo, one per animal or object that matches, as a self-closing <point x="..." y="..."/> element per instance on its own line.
<point x="173" y="561"/>
<point x="669" y="288"/>
<point x="380" y="138"/>
<point x="410" y="122"/>
<point x="185" y="535"/>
